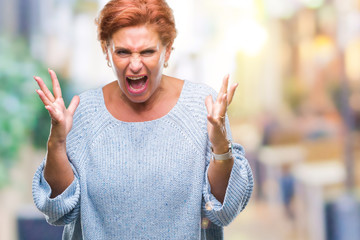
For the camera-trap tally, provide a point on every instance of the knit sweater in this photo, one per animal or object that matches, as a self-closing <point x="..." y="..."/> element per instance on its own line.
<point x="143" y="180"/>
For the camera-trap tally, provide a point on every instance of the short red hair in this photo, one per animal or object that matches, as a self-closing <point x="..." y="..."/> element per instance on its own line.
<point x="118" y="14"/>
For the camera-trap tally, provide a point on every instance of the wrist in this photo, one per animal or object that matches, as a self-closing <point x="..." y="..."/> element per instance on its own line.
<point x="220" y="148"/>
<point x="57" y="134"/>
<point x="224" y="154"/>
<point x="55" y="141"/>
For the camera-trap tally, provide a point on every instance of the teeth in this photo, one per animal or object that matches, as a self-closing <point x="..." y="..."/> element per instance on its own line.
<point x="135" y="78"/>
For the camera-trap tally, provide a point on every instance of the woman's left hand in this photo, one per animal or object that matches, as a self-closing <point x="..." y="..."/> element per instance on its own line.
<point x="216" y="116"/>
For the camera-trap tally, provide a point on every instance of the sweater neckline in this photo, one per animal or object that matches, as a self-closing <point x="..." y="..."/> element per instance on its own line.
<point x="109" y="115"/>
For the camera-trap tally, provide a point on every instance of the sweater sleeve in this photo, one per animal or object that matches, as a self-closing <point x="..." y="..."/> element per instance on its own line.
<point x="238" y="191"/>
<point x="62" y="209"/>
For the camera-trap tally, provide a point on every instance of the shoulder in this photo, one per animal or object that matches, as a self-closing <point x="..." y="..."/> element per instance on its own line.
<point x="86" y="119"/>
<point x="192" y="102"/>
<point x="90" y="102"/>
<point x="189" y="88"/>
<point x="89" y="97"/>
<point x="194" y="94"/>
<point x="89" y="109"/>
<point x="199" y="89"/>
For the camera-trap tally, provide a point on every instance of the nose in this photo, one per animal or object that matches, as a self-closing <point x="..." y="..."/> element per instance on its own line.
<point x="135" y="64"/>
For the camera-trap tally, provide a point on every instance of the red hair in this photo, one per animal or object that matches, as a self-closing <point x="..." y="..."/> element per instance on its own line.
<point x="118" y="14"/>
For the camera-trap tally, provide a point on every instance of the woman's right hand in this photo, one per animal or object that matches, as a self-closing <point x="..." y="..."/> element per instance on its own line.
<point x="61" y="117"/>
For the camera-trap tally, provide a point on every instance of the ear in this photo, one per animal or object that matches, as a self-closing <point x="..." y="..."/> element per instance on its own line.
<point x="107" y="53"/>
<point x="168" y="51"/>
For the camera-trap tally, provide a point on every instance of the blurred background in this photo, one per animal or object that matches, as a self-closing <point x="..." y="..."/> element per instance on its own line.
<point x="296" y="110"/>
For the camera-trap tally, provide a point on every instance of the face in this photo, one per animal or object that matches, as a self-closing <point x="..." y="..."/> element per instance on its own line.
<point x="137" y="57"/>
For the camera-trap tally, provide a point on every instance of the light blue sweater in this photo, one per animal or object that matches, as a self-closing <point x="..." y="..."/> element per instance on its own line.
<point x="143" y="180"/>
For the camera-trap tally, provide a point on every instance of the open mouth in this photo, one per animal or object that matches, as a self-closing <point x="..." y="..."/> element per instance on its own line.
<point x="137" y="84"/>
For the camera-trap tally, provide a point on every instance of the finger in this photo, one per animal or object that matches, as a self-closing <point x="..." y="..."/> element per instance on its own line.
<point x="209" y="104"/>
<point x="223" y="106"/>
<point x="219" y="108"/>
<point x="74" y="104"/>
<point x="224" y="85"/>
<point x="223" y="89"/>
<point x="56" y="84"/>
<point x="44" y="89"/>
<point x="209" y="107"/>
<point x="231" y="93"/>
<point x="211" y="119"/>
<point x="43" y="98"/>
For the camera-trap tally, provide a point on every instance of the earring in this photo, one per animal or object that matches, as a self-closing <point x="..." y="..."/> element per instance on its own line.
<point x="166" y="64"/>
<point x="109" y="64"/>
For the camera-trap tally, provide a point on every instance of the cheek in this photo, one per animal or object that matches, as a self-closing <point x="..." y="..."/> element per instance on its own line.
<point x="117" y="71"/>
<point x="162" y="57"/>
<point x="156" y="64"/>
<point x="119" y="67"/>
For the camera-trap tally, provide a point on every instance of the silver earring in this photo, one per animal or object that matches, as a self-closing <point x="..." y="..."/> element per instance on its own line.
<point x="166" y="64"/>
<point x="109" y="64"/>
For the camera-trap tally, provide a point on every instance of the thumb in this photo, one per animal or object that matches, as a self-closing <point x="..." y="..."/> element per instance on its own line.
<point x="209" y="107"/>
<point x="74" y="104"/>
<point x="209" y="104"/>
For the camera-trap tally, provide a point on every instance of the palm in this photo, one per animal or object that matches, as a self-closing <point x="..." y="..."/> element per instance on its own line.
<point x="216" y="124"/>
<point x="61" y="117"/>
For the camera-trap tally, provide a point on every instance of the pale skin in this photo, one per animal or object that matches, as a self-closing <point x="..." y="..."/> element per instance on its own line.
<point x="58" y="171"/>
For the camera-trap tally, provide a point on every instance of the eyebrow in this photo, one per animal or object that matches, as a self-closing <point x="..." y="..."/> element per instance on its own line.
<point x="116" y="48"/>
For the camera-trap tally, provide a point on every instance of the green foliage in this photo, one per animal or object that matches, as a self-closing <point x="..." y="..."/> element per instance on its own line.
<point x="22" y="114"/>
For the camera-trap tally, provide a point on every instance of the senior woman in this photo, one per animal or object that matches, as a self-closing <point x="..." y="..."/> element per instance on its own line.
<point x="147" y="156"/>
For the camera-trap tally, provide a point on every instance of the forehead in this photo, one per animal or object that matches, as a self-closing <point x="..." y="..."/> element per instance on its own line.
<point x="136" y="38"/>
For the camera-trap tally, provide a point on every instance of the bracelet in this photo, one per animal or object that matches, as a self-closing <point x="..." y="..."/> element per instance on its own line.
<point x="221" y="157"/>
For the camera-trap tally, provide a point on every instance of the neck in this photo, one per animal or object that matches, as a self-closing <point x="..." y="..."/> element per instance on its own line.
<point x="159" y="104"/>
<point x="144" y="107"/>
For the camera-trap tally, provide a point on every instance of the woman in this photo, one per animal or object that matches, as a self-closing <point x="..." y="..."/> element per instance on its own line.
<point x="147" y="156"/>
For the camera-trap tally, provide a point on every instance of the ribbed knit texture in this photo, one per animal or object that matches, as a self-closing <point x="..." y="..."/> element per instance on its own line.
<point x="143" y="180"/>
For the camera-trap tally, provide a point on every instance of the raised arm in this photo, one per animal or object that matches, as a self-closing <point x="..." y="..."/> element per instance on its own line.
<point x="219" y="171"/>
<point x="57" y="172"/>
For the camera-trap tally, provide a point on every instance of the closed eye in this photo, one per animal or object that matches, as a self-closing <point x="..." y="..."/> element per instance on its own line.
<point x="147" y="53"/>
<point x="122" y="52"/>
